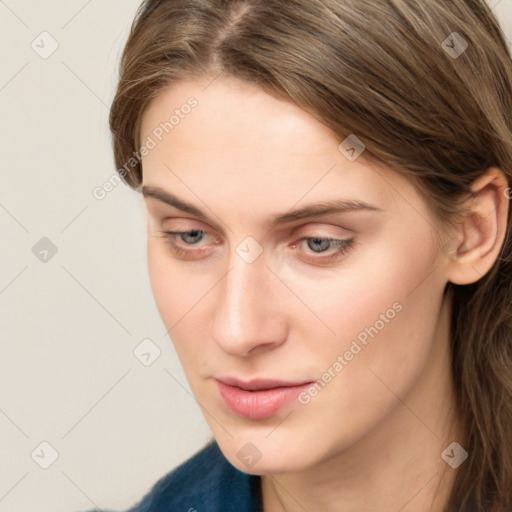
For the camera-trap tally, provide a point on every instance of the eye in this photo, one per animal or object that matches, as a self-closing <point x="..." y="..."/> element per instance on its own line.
<point x="189" y="238"/>
<point x="318" y="245"/>
<point x="193" y="236"/>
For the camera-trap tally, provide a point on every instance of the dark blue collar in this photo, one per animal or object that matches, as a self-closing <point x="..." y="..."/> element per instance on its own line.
<point x="206" y="482"/>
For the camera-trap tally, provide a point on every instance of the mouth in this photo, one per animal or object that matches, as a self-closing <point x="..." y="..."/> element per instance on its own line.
<point x="259" y="398"/>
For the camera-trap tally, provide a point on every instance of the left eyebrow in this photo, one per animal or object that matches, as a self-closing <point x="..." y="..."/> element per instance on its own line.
<point x="306" y="212"/>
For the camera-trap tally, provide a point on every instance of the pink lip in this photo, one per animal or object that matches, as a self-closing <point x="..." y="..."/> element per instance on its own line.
<point x="259" y="398"/>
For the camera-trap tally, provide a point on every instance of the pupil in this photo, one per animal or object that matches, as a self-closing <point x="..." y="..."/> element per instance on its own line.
<point x="193" y="234"/>
<point x="324" y="244"/>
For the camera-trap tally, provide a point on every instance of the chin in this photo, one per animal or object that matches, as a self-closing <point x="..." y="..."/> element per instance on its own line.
<point x="274" y="456"/>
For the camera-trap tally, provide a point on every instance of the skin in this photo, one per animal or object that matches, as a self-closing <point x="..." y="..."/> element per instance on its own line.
<point x="372" y="438"/>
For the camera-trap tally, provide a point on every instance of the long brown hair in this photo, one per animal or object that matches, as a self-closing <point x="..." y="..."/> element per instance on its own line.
<point x="427" y="86"/>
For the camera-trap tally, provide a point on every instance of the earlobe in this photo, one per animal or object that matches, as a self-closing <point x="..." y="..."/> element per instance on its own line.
<point x="474" y="248"/>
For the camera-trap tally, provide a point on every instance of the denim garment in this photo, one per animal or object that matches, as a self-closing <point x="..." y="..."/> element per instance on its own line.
<point x="206" y="482"/>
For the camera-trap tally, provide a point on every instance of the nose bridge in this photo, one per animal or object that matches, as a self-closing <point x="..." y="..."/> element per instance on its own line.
<point x="245" y="315"/>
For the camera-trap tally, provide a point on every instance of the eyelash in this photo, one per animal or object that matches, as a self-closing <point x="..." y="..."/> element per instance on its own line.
<point x="343" y="245"/>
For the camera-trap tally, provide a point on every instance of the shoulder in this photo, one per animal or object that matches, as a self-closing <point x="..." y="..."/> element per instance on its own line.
<point x="206" y="481"/>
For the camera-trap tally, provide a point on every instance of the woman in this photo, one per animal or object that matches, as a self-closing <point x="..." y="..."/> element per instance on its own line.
<point x="327" y="185"/>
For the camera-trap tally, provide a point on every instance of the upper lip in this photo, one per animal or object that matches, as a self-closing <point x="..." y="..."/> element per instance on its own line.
<point x="256" y="384"/>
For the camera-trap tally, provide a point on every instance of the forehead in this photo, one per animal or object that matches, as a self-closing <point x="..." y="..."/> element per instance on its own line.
<point x="237" y="110"/>
<point x="254" y="145"/>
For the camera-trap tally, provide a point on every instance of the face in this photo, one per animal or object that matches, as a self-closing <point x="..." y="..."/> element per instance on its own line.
<point x="346" y="301"/>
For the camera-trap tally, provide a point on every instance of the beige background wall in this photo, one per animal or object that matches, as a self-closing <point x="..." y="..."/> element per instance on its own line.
<point x="70" y="321"/>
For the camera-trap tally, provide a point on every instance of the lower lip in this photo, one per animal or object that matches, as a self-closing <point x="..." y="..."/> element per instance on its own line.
<point x="258" y="405"/>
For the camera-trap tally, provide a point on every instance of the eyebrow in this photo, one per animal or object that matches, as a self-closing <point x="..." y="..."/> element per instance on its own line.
<point x="306" y="212"/>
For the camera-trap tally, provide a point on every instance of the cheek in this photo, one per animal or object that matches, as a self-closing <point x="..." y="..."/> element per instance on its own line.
<point x="379" y="284"/>
<point x="172" y="288"/>
<point x="179" y="296"/>
<point x="164" y="281"/>
<point x="384" y="311"/>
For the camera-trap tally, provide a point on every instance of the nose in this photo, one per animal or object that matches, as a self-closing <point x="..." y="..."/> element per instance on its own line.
<point x="249" y="316"/>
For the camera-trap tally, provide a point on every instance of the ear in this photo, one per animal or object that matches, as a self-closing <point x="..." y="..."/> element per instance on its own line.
<point x="476" y="244"/>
